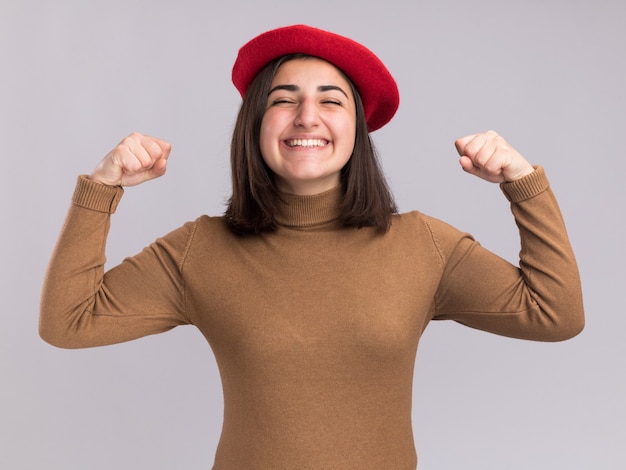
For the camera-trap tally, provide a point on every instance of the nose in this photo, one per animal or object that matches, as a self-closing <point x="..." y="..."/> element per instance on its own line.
<point x="307" y="115"/>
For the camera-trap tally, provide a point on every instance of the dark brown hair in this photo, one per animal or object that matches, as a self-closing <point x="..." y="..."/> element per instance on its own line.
<point x="367" y="200"/>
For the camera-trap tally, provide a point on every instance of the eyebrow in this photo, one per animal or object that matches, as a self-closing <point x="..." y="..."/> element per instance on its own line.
<point x="295" y="88"/>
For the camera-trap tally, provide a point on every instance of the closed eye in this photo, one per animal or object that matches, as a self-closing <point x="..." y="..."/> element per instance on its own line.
<point x="279" y="101"/>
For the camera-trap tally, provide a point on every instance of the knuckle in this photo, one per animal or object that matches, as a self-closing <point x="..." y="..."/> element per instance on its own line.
<point x="131" y="140"/>
<point x="492" y="167"/>
<point x="480" y="158"/>
<point x="126" y="143"/>
<point x="153" y="149"/>
<point x="135" y="136"/>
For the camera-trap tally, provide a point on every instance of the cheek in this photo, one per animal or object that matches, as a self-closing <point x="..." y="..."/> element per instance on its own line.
<point x="265" y="137"/>
<point x="272" y="124"/>
<point x="269" y="141"/>
<point x="349" y="142"/>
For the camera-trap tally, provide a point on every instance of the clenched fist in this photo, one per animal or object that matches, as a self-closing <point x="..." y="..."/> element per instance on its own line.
<point x="137" y="158"/>
<point x="490" y="157"/>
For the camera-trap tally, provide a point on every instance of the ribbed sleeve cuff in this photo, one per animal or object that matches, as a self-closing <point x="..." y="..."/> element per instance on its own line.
<point x="526" y="187"/>
<point x="96" y="196"/>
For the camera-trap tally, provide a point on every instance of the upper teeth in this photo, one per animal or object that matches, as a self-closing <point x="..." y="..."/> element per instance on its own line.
<point x="306" y="143"/>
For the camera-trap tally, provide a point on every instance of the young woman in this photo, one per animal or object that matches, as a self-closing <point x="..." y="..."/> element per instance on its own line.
<point x="311" y="290"/>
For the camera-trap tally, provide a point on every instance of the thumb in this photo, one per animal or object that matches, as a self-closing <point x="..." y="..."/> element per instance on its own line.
<point x="158" y="169"/>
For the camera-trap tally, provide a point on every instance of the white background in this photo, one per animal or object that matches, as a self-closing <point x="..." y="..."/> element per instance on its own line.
<point x="77" y="76"/>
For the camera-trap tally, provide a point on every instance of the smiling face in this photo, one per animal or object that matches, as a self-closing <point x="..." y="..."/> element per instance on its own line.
<point x="309" y="126"/>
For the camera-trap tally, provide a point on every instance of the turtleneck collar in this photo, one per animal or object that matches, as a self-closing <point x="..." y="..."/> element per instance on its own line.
<point x="310" y="212"/>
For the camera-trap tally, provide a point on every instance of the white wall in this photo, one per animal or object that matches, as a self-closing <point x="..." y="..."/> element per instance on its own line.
<point x="77" y="76"/>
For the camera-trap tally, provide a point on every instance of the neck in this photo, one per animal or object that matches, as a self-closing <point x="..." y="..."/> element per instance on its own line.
<point x="310" y="211"/>
<point x="307" y="187"/>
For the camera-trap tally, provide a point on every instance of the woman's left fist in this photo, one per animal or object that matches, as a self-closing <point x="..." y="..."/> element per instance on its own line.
<point x="490" y="157"/>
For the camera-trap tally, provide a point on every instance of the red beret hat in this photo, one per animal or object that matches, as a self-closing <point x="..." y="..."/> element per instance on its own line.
<point x="376" y="86"/>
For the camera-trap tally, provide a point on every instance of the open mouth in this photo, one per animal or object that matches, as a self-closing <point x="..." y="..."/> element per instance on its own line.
<point x="306" y="143"/>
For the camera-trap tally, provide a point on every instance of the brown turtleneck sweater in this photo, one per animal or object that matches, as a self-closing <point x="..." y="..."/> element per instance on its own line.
<point x="314" y="327"/>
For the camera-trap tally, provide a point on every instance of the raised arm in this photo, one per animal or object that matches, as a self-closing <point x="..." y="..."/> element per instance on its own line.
<point x="81" y="306"/>
<point x="540" y="299"/>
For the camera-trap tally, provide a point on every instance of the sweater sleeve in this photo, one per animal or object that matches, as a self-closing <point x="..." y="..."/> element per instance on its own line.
<point x="81" y="306"/>
<point x="539" y="300"/>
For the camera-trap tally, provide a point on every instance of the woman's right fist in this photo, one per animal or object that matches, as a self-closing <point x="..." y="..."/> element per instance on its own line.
<point x="137" y="158"/>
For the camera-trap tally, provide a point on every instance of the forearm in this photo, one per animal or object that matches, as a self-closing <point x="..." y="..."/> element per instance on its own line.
<point x="80" y="305"/>
<point x="541" y="299"/>
<point x="547" y="260"/>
